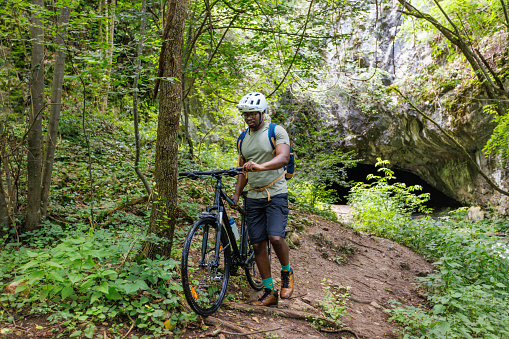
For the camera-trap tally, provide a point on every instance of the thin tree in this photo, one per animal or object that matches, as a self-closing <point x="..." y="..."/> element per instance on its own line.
<point x="56" y="97"/>
<point x="135" y="97"/>
<point x="35" y="118"/>
<point x="164" y="201"/>
<point x="4" y="210"/>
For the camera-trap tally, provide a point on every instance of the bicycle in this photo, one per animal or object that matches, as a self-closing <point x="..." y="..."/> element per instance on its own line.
<point x="211" y="251"/>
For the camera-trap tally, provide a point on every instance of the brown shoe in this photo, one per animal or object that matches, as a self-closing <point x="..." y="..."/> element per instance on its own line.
<point x="287" y="284"/>
<point x="269" y="298"/>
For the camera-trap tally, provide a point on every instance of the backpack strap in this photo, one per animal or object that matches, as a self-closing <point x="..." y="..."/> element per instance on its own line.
<point x="240" y="140"/>
<point x="272" y="137"/>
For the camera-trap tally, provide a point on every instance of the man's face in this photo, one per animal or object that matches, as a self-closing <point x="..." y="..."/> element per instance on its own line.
<point x="252" y="119"/>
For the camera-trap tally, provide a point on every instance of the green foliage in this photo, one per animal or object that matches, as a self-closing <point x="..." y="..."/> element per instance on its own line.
<point x="383" y="207"/>
<point x="469" y="290"/>
<point x="80" y="276"/>
<point x="335" y="302"/>
<point x="475" y="19"/>
<point x="499" y="140"/>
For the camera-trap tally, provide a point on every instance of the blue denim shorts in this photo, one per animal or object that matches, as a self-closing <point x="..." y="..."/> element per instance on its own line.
<point x="266" y="218"/>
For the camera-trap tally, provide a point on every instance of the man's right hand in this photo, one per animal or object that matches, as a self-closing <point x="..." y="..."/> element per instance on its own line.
<point x="235" y="199"/>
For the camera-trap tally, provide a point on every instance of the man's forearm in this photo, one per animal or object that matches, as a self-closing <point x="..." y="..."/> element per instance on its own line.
<point x="241" y="183"/>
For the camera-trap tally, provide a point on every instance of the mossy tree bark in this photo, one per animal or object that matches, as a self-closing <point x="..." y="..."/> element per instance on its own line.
<point x="34" y="164"/>
<point x="164" y="200"/>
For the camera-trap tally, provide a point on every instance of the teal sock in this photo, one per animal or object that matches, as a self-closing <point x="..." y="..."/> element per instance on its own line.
<point x="268" y="283"/>
<point x="286" y="268"/>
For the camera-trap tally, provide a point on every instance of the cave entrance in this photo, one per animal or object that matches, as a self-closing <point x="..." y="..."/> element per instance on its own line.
<point x="438" y="200"/>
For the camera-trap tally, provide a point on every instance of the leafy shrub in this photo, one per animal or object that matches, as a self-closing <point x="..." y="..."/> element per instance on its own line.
<point x="86" y="276"/>
<point x="469" y="291"/>
<point x="382" y="207"/>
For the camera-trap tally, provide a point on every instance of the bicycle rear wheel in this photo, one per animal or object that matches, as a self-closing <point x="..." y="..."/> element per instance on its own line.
<point x="205" y="284"/>
<point x="252" y="274"/>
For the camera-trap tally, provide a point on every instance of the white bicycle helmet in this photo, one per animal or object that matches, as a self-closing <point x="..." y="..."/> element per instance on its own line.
<point x="253" y="102"/>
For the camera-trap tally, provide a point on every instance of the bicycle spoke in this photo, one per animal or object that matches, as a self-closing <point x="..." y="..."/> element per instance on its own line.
<point x="204" y="282"/>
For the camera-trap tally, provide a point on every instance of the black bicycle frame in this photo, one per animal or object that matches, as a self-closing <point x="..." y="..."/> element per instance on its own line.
<point x="222" y="219"/>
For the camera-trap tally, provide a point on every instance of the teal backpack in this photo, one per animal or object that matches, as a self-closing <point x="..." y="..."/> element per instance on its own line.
<point x="289" y="168"/>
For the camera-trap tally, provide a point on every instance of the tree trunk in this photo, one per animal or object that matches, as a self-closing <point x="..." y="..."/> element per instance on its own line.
<point x="110" y="33"/>
<point x="164" y="202"/>
<point x="186" y="121"/>
<point x="4" y="210"/>
<point x="33" y="215"/>
<point x="135" y="99"/>
<point x="56" y="98"/>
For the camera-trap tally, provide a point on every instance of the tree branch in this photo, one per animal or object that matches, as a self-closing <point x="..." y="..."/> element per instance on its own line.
<point x="287" y="33"/>
<point x="469" y="157"/>
<point x="297" y="51"/>
<point x="505" y="14"/>
<point x="495" y="76"/>
<point x="456" y="38"/>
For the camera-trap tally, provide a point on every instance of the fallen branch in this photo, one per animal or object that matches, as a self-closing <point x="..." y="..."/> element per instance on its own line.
<point x="340" y="331"/>
<point x="217" y="332"/>
<point x="131" y="203"/>
<point x="130" y="328"/>
<point x="221" y="322"/>
<point x="292" y="314"/>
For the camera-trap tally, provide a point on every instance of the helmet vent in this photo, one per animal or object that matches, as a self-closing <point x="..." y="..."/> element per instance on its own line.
<point x="258" y="102"/>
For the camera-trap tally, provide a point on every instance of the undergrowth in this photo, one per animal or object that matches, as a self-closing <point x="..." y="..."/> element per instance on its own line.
<point x="83" y="276"/>
<point x="469" y="291"/>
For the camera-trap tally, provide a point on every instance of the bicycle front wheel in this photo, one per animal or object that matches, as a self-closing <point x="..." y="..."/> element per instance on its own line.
<point x="205" y="279"/>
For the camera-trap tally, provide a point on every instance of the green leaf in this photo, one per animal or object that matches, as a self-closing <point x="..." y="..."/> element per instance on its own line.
<point x="142" y="285"/>
<point x="130" y="288"/>
<point x="74" y="278"/>
<point x="35" y="275"/>
<point x="67" y="291"/>
<point x="110" y="273"/>
<point x="89" y="263"/>
<point x="87" y="284"/>
<point x="464" y="332"/>
<point x="55" y="276"/>
<point x="95" y="296"/>
<point x="30" y="265"/>
<point x="21" y="288"/>
<point x="103" y="287"/>
<point x="89" y="331"/>
<point x="45" y="291"/>
<point x="75" y="334"/>
<point x="438" y="308"/>
<point x="54" y="264"/>
<point x="113" y="294"/>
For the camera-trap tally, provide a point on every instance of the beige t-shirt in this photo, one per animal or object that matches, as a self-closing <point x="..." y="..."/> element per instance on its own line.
<point x="256" y="147"/>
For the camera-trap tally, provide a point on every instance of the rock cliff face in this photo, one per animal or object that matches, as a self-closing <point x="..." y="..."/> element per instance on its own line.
<point x="398" y="133"/>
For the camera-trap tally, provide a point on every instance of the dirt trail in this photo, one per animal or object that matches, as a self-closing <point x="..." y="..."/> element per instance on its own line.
<point x="376" y="270"/>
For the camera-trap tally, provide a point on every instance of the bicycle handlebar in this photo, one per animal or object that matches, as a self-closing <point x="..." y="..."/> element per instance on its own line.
<point x="195" y="175"/>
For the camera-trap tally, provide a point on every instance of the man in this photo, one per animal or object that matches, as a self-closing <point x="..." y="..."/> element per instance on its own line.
<point x="267" y="199"/>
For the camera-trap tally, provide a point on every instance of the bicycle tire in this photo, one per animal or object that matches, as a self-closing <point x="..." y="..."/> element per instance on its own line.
<point x="205" y="287"/>
<point x="252" y="273"/>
